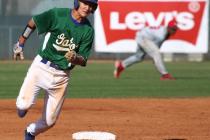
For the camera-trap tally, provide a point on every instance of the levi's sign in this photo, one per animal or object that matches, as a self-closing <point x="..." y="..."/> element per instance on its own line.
<point x="116" y="22"/>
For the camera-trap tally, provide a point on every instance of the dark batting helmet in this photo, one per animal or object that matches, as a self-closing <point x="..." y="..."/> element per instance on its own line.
<point x="95" y="2"/>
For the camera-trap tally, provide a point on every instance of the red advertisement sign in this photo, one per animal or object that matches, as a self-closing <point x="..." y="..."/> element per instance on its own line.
<point x="118" y="21"/>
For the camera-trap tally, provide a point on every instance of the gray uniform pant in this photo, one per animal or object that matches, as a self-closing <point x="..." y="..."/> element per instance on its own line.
<point x="147" y="47"/>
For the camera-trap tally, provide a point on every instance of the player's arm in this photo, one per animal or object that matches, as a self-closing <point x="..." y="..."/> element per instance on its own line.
<point x="18" y="47"/>
<point x="81" y="57"/>
<point x="30" y="27"/>
<point x="42" y="22"/>
<point x="85" y="48"/>
<point x="75" y="58"/>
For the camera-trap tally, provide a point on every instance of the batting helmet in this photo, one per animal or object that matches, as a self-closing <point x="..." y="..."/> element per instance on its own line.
<point x="95" y="2"/>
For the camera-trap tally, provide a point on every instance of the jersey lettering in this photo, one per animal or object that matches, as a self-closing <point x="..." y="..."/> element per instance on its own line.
<point x="64" y="44"/>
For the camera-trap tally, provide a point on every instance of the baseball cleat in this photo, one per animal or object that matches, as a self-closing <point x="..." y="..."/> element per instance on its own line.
<point x="167" y="77"/>
<point x="29" y="136"/>
<point x="21" y="113"/>
<point x="118" y="69"/>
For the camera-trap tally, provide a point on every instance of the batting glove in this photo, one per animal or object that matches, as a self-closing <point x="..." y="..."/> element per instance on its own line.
<point x="18" y="51"/>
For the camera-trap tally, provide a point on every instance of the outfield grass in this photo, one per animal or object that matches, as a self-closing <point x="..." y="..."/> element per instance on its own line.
<point x="141" y="80"/>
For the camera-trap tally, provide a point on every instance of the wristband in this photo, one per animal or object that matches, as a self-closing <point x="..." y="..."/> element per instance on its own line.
<point x="20" y="45"/>
<point x="27" y="31"/>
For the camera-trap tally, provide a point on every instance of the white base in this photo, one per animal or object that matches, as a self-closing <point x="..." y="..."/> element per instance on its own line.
<point x="93" y="135"/>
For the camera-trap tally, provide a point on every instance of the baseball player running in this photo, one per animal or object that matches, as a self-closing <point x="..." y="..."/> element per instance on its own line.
<point x="149" y="41"/>
<point x="68" y="41"/>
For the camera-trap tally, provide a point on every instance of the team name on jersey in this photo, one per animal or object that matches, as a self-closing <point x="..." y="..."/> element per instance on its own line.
<point x="64" y="44"/>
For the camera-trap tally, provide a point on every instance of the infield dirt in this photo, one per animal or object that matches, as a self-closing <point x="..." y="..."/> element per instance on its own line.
<point x="128" y="119"/>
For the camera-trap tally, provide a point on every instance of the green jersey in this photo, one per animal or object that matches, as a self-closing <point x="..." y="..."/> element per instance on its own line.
<point x="63" y="33"/>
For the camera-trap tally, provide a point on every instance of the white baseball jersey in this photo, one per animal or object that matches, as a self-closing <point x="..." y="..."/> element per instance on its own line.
<point x="155" y="34"/>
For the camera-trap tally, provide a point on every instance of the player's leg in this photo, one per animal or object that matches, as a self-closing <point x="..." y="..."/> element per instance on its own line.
<point x="54" y="99"/>
<point x="28" y="92"/>
<point x="120" y="66"/>
<point x="136" y="58"/>
<point x="29" y="136"/>
<point x="153" y="51"/>
<point x="40" y="126"/>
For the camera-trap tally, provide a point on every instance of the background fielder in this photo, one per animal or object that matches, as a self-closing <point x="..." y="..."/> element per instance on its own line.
<point x="68" y="41"/>
<point x="149" y="40"/>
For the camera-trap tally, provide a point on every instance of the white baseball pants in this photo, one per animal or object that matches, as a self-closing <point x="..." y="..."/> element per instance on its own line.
<point x="54" y="82"/>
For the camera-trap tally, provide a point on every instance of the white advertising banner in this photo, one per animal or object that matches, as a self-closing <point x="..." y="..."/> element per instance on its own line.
<point x="116" y="22"/>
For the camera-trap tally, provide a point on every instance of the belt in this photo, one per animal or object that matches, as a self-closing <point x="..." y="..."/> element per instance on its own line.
<point x="44" y="61"/>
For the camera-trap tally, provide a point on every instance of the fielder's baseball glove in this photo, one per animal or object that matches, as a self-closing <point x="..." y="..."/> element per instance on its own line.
<point x="71" y="55"/>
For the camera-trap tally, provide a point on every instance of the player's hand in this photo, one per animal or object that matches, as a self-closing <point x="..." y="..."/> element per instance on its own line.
<point x="70" y="55"/>
<point x="18" y="51"/>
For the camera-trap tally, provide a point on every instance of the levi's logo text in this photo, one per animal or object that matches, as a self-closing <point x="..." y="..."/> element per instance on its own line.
<point x="122" y="23"/>
<point x="64" y="44"/>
